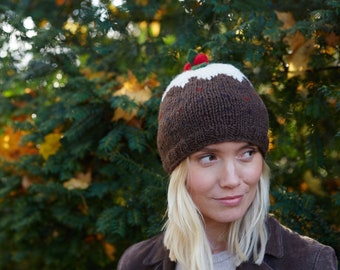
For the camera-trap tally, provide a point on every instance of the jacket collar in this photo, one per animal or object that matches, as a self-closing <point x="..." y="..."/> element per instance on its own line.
<point x="159" y="255"/>
<point x="274" y="247"/>
<point x="274" y="243"/>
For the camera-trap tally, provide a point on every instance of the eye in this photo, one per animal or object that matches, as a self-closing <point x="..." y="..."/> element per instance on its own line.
<point x="207" y="159"/>
<point x="247" y="154"/>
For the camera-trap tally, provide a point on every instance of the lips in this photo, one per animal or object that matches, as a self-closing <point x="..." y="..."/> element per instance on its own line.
<point x="230" y="200"/>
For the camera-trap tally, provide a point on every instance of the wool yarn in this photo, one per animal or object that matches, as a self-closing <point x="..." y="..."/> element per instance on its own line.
<point x="212" y="104"/>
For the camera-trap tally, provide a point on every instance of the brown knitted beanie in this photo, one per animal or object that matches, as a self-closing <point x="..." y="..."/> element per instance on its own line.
<point x="209" y="105"/>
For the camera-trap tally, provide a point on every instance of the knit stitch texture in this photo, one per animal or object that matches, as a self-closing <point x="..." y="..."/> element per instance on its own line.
<point x="210" y="105"/>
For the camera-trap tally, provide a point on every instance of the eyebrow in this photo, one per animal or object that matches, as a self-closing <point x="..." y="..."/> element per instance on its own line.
<point x="210" y="148"/>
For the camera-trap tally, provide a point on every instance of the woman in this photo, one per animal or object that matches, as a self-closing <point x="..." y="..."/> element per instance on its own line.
<point x="212" y="139"/>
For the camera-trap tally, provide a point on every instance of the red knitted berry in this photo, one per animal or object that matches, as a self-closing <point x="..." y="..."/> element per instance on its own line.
<point x="200" y="58"/>
<point x="187" y="66"/>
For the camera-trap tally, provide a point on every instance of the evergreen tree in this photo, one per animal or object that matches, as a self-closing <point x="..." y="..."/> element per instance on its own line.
<point x="81" y="81"/>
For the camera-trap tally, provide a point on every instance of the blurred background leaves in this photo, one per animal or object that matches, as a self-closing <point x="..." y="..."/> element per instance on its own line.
<point x="81" y="82"/>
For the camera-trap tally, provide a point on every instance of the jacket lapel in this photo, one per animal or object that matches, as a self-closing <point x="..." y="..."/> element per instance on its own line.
<point x="252" y="266"/>
<point x="274" y="244"/>
<point x="158" y="257"/>
<point x="274" y="248"/>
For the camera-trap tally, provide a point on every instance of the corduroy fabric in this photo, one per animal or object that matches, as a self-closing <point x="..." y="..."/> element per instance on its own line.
<point x="208" y="110"/>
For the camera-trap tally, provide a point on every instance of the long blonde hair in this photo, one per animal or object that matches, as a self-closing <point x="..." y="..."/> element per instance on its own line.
<point x="184" y="229"/>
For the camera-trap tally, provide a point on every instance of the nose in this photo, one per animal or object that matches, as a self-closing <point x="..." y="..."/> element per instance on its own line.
<point x="229" y="176"/>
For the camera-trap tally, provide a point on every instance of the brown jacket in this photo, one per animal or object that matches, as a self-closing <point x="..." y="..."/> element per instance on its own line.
<point x="285" y="250"/>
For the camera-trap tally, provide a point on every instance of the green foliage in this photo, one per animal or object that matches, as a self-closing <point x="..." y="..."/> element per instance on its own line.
<point x="302" y="212"/>
<point x="103" y="185"/>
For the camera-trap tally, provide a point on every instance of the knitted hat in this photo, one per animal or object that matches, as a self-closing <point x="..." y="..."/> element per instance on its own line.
<point x="212" y="104"/>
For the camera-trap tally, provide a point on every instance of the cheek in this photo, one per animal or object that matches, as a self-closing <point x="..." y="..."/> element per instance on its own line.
<point x="253" y="174"/>
<point x="252" y="180"/>
<point x="197" y="183"/>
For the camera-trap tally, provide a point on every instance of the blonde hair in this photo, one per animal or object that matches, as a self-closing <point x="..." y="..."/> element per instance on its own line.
<point x="184" y="229"/>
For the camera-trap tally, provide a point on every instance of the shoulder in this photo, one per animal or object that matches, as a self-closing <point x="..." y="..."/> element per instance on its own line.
<point x="142" y="254"/>
<point x="291" y="248"/>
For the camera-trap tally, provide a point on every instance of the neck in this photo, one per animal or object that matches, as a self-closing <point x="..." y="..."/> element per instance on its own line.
<point x="217" y="236"/>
